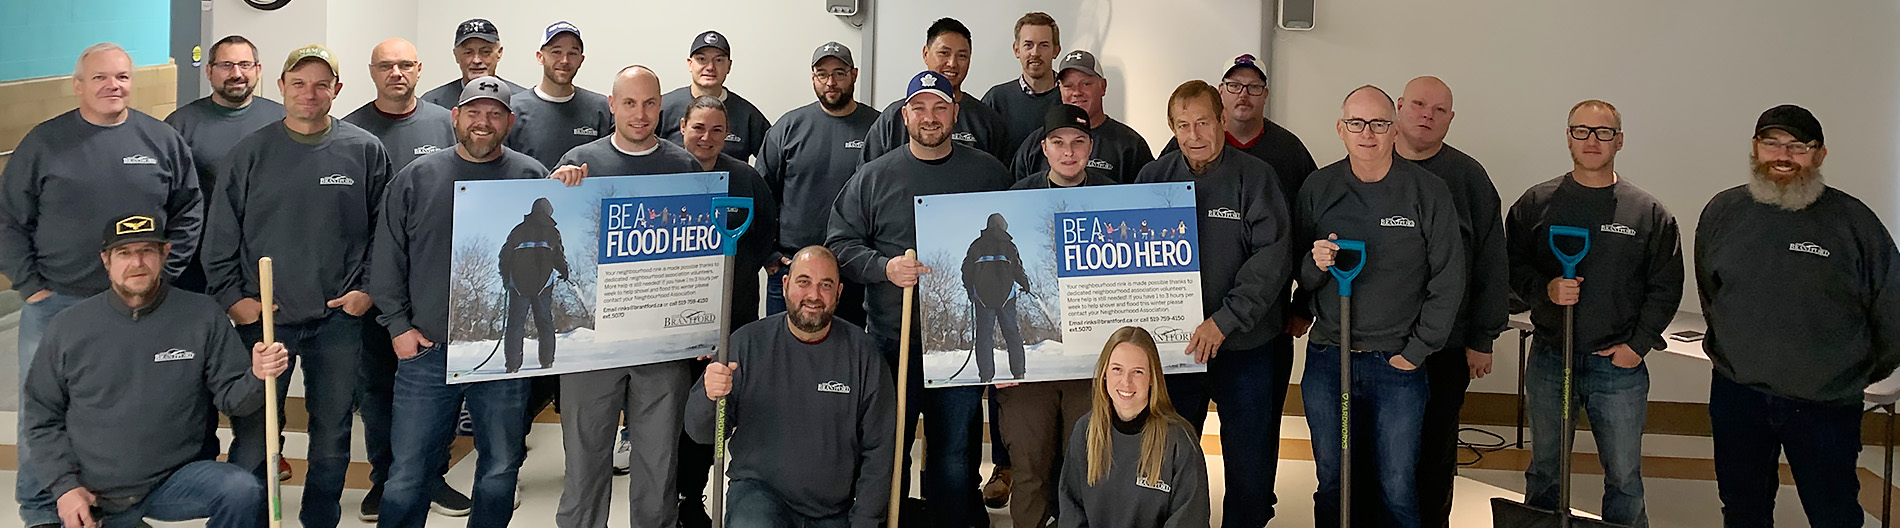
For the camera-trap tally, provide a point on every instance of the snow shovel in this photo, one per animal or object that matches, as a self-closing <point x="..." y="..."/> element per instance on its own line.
<point x="1344" y="277"/>
<point x="273" y="432"/>
<point x="729" y="240"/>
<point x="903" y="379"/>
<point x="1506" y="513"/>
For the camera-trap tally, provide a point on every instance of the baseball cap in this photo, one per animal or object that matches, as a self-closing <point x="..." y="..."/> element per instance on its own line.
<point x="831" y="49"/>
<point x="709" y="39"/>
<point x="486" y="87"/>
<point x="1245" y="61"/>
<point x="1794" y="120"/>
<point x="928" y="82"/>
<point x="1065" y="116"/>
<point x="313" y="51"/>
<point x="556" y="30"/>
<point x="1077" y="60"/>
<point x="479" y="28"/>
<point x="136" y="227"/>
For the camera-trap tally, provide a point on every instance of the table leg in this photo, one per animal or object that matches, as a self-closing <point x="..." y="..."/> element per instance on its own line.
<point x="1886" y="474"/>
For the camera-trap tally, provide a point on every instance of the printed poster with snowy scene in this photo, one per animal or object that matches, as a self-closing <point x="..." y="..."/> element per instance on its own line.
<point x="1027" y="285"/>
<point x="550" y="279"/>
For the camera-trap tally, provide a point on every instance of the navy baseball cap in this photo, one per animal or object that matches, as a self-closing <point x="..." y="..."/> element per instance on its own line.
<point x="709" y="39"/>
<point x="486" y="87"/>
<point x="1794" y="120"/>
<point x="928" y="82"/>
<point x="556" y="30"/>
<point x="479" y="28"/>
<point x="1245" y="61"/>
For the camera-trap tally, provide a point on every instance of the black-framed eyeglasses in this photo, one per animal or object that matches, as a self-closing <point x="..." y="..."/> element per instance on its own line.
<point x="1792" y="147"/>
<point x="1379" y="126"/>
<point x="395" y="65"/>
<point x="1233" y="87"/>
<point x="823" y="75"/>
<point x="228" y="65"/>
<point x="1581" y="133"/>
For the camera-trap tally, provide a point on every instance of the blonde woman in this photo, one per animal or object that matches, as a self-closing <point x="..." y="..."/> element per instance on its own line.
<point x="1132" y="462"/>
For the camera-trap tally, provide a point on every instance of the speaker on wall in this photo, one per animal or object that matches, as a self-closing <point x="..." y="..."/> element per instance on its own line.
<point x="1296" y="15"/>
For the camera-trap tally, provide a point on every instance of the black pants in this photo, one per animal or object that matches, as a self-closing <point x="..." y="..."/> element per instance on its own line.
<point x="1438" y="440"/>
<point x="1250" y="386"/>
<point x="1753" y="428"/>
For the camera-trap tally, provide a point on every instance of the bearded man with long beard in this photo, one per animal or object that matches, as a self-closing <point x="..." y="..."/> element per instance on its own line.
<point x="1801" y="291"/>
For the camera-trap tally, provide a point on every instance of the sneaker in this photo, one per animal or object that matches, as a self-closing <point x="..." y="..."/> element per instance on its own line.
<point x="372" y="505"/>
<point x="283" y="469"/>
<point x="451" y="503"/>
<point x="693" y="513"/>
<point x="465" y="425"/>
<point x="623" y="454"/>
<point x="996" y="491"/>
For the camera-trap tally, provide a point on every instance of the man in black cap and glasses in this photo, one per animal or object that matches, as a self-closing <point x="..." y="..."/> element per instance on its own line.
<point x="478" y="53"/>
<point x="1801" y="290"/>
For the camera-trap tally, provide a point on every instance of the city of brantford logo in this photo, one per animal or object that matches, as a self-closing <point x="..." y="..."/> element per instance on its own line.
<point x="176" y="354"/>
<point x="586" y="131"/>
<point x="1223" y="213"/>
<point x="854" y="144"/>
<point x="1158" y="485"/>
<point x="734" y="138"/>
<point x="1169" y="334"/>
<point x="426" y="149"/>
<point x="1101" y="164"/>
<point x="1397" y="221"/>
<point x="965" y="137"/>
<point x="336" y="179"/>
<point x="689" y="318"/>
<point x="134" y="224"/>
<point x="834" y="387"/>
<point x="1618" y="228"/>
<point x="140" y="159"/>
<point x="1809" y="248"/>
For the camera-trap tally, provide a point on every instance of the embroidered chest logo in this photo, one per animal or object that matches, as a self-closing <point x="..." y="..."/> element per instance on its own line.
<point x="140" y="159"/>
<point x="336" y="179"/>
<point x="1397" y="221"/>
<point x="1161" y="486"/>
<point x="586" y="131"/>
<point x="1099" y="164"/>
<point x="1618" y="228"/>
<point x="854" y="144"/>
<point x="1223" y="213"/>
<point x="176" y="354"/>
<point x="734" y="138"/>
<point x="964" y="137"/>
<point x="427" y="149"/>
<point x="1809" y="248"/>
<point x="834" y="387"/>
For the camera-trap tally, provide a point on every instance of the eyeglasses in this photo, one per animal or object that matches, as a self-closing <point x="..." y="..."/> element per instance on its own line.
<point x="1235" y="87"/>
<point x="228" y="65"/>
<point x="1379" y="126"/>
<point x="1581" y="133"/>
<point x="1793" y="147"/>
<point x="829" y="75"/>
<point x="395" y="65"/>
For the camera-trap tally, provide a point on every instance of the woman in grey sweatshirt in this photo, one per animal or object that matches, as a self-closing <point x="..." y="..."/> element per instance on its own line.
<point x="1132" y="461"/>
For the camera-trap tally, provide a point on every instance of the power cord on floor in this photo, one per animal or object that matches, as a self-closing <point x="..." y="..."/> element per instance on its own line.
<point x="1479" y="449"/>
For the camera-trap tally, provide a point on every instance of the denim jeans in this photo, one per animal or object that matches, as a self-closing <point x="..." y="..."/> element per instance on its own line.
<point x="750" y="504"/>
<point x="375" y="390"/>
<point x="425" y="413"/>
<point x="1005" y="318"/>
<point x="1752" y="428"/>
<point x="1389" y="405"/>
<point x="1250" y="386"/>
<point x="330" y="350"/>
<point x="952" y="417"/>
<point x="227" y="495"/>
<point x="1617" y="402"/>
<point x="36" y="505"/>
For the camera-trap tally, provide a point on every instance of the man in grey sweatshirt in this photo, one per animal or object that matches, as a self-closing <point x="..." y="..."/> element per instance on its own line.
<point x="70" y="175"/>
<point x="946" y="52"/>
<point x="478" y="54"/>
<point x="1119" y="150"/>
<point x="1801" y="288"/>
<point x="213" y="123"/>
<point x="1022" y="101"/>
<point x="556" y="116"/>
<point x="709" y="61"/>
<point x="118" y="438"/>
<point x="820" y="455"/>
<point x="304" y="193"/>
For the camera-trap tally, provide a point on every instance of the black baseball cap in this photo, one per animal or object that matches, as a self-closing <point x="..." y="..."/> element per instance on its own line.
<point x="1065" y="116"/>
<point x="709" y="39"/>
<point x="479" y="28"/>
<point x="133" y="228"/>
<point x="1794" y="120"/>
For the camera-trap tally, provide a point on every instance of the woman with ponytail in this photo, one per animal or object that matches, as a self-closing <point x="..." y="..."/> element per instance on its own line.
<point x="1133" y="462"/>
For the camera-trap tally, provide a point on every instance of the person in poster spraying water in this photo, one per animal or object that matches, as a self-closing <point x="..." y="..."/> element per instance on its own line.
<point x="990" y="268"/>
<point x="531" y="260"/>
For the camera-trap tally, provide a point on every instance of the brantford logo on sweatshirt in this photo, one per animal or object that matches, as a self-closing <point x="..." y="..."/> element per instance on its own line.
<point x="1397" y="221"/>
<point x="1099" y="164"/>
<point x="586" y="131"/>
<point x="176" y="354"/>
<point x="734" y="138"/>
<point x="965" y="137"/>
<point x="834" y="387"/>
<point x="140" y="159"/>
<point x="1810" y="248"/>
<point x="426" y="149"/>
<point x="336" y="179"/>
<point x="854" y="144"/>
<point x="1618" y="228"/>
<point x="1223" y="213"/>
<point x="1161" y="486"/>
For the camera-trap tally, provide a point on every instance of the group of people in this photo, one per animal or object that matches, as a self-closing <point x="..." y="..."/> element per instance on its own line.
<point x="356" y="212"/>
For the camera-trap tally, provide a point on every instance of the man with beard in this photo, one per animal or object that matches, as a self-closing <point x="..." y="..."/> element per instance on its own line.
<point x="213" y="123"/>
<point x="1425" y="115"/>
<point x="557" y="116"/>
<point x="872" y="224"/>
<point x="1118" y="150"/>
<point x="1635" y="284"/>
<point x="304" y="192"/>
<point x="70" y="175"/>
<point x="477" y="53"/>
<point x="709" y="60"/>
<point x="704" y="131"/>
<point x="649" y="398"/>
<point x="821" y="456"/>
<point x="409" y="129"/>
<point x="1801" y="290"/>
<point x="413" y="245"/>
<point x="1022" y="101"/>
<point x="946" y="52"/>
<point x="805" y="162"/>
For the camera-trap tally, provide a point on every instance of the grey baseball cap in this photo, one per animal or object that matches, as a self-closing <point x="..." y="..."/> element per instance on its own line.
<point x="486" y="87"/>
<point x="832" y="49"/>
<point x="1077" y="60"/>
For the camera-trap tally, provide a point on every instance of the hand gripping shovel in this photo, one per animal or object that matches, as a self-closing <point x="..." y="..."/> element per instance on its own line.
<point x="1344" y="277"/>
<point x="729" y="240"/>
<point x="1507" y="513"/>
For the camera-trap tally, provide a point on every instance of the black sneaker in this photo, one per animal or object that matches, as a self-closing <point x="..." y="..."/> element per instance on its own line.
<point x="372" y="505"/>
<point x="693" y="514"/>
<point x="449" y="502"/>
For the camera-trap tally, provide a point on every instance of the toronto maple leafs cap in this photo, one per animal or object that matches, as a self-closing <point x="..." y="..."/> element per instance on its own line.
<point x="709" y="39"/>
<point x="135" y="227"/>
<point x="928" y="82"/>
<point x="832" y="49"/>
<point x="486" y="87"/>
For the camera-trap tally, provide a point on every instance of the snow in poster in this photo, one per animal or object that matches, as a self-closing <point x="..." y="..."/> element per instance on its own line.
<point x="1027" y="285"/>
